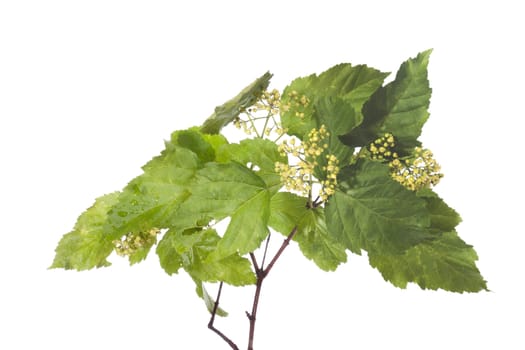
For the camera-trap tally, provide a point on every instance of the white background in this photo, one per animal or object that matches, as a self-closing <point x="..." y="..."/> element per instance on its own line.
<point x="90" y="89"/>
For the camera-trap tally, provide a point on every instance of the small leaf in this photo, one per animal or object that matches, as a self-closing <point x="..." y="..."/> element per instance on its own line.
<point x="210" y="303"/>
<point x="201" y="291"/>
<point x="227" y="112"/>
<point x="373" y="212"/>
<point x="289" y="210"/>
<point x="198" y="143"/>
<point x="446" y="262"/>
<point x="171" y="259"/>
<point x="190" y="250"/>
<point x="87" y="246"/>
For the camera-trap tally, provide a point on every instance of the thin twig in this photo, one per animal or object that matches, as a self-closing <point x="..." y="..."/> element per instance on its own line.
<point x="212" y="319"/>
<point x="261" y="275"/>
<point x="255" y="265"/>
<point x="265" y="250"/>
<point x="280" y="251"/>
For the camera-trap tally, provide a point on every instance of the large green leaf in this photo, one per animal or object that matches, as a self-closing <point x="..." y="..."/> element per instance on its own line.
<point x="232" y="190"/>
<point x="353" y="84"/>
<point x="288" y="211"/>
<point x="258" y="154"/>
<point x="400" y="107"/>
<point x="151" y="199"/>
<point x="373" y="212"/>
<point x="227" y="112"/>
<point x="446" y="262"/>
<point x="87" y="246"/>
<point x="189" y="249"/>
<point x="148" y="201"/>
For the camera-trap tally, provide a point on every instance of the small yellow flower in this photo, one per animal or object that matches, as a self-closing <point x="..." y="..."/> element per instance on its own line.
<point x="420" y="171"/>
<point x="133" y="241"/>
<point x="300" y="177"/>
<point x="382" y="148"/>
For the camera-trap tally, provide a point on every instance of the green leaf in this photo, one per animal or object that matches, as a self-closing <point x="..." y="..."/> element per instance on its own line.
<point x="228" y="190"/>
<point x="227" y="112"/>
<point x="290" y="109"/>
<point x="152" y="199"/>
<point x="446" y="262"/>
<point x="400" y="107"/>
<point x="289" y="210"/>
<point x="248" y="226"/>
<point x="373" y="212"/>
<point x="190" y="249"/>
<point x="201" y="144"/>
<point x="259" y="154"/>
<point x="171" y="259"/>
<point x="353" y="84"/>
<point x="339" y="117"/>
<point x="87" y="246"/>
<point x="208" y="300"/>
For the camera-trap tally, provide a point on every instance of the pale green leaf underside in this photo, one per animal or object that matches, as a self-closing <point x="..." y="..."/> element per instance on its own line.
<point x="445" y="263"/>
<point x="226" y="113"/>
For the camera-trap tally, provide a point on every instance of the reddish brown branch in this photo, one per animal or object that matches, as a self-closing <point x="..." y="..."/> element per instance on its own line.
<point x="212" y="319"/>
<point x="265" y="250"/>
<point x="280" y="251"/>
<point x="255" y="264"/>
<point x="261" y="275"/>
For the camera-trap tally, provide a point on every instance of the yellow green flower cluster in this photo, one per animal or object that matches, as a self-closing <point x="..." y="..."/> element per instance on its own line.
<point x="383" y="148"/>
<point x="245" y="125"/>
<point x="269" y="101"/>
<point x="297" y="102"/>
<point x="417" y="172"/>
<point x="300" y="177"/>
<point x="296" y="178"/>
<point x="264" y="110"/>
<point x="131" y="242"/>
<point x="332" y="169"/>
